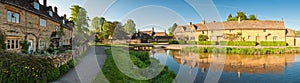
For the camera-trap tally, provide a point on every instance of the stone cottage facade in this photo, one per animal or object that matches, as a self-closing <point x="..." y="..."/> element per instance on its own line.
<point x="38" y="23"/>
<point x="248" y="30"/>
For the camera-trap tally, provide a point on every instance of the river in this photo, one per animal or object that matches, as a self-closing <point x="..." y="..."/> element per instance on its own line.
<point x="229" y="68"/>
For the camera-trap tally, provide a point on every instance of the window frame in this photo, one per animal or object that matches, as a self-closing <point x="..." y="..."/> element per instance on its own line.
<point x="41" y="22"/>
<point x="11" y="18"/>
<point x="36" y="5"/>
<point x="51" y="13"/>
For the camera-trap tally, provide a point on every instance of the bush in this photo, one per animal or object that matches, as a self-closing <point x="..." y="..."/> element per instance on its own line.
<point x="191" y="42"/>
<point x="64" y="69"/>
<point x="202" y="37"/>
<point x="23" y="68"/>
<point x="238" y="43"/>
<point x="207" y="42"/>
<point x="173" y="42"/>
<point x="273" y="43"/>
<point x="53" y="74"/>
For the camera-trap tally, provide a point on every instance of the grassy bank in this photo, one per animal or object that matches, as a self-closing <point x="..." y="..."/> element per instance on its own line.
<point x="246" y="51"/>
<point x="140" y="59"/>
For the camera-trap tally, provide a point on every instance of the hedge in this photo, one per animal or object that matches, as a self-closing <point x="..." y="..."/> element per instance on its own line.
<point x="238" y="43"/>
<point x="273" y="43"/>
<point x="18" y="68"/>
<point x="207" y="42"/>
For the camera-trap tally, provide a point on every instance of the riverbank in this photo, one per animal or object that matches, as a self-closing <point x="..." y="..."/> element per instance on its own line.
<point x="141" y="59"/>
<point x="244" y="51"/>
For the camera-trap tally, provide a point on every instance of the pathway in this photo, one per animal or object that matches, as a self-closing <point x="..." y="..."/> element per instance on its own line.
<point x="87" y="69"/>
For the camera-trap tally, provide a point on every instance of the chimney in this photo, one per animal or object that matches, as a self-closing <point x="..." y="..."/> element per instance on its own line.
<point x="191" y="23"/>
<point x="153" y="29"/>
<point x="239" y="20"/>
<point x="45" y="3"/>
<point x="65" y="16"/>
<point x="138" y="30"/>
<point x="55" y="9"/>
<point x="203" y="21"/>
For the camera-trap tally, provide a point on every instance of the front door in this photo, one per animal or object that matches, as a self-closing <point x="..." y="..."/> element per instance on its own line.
<point x="257" y="39"/>
<point x="30" y="46"/>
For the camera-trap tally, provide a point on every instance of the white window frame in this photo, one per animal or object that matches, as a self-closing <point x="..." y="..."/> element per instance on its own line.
<point x="51" y="13"/>
<point x="43" y="22"/>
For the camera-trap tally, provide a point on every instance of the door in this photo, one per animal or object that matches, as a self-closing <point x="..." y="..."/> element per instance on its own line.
<point x="30" y="46"/>
<point x="257" y="40"/>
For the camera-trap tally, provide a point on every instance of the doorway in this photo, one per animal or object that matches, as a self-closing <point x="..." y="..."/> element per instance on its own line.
<point x="30" y="49"/>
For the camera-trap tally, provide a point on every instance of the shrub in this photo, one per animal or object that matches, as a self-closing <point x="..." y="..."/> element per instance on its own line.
<point x="207" y="42"/>
<point x="191" y="42"/>
<point x="273" y="43"/>
<point x="53" y="74"/>
<point x="173" y="42"/>
<point x="64" y="69"/>
<point x="238" y="43"/>
<point x="202" y="37"/>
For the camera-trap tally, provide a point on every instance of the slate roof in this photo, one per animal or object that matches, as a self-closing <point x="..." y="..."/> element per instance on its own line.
<point x="43" y="10"/>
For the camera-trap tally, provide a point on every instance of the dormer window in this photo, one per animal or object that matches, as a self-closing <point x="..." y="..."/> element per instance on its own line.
<point x="51" y="13"/>
<point x="36" y="5"/>
<point x="63" y="21"/>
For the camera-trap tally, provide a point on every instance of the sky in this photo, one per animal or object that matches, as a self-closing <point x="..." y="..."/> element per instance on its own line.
<point x="161" y="14"/>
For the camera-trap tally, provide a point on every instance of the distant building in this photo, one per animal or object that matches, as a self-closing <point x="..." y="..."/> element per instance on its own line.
<point x="248" y="30"/>
<point x="39" y="24"/>
<point x="151" y="36"/>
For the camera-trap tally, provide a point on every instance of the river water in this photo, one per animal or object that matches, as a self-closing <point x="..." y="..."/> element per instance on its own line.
<point x="221" y="68"/>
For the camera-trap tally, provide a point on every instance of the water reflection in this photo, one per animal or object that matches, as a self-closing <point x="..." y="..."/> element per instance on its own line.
<point x="237" y="68"/>
<point x="237" y="63"/>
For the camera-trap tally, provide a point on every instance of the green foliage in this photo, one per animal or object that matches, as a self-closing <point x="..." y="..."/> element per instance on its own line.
<point x="202" y="37"/>
<point x="140" y="59"/>
<point x="273" y="43"/>
<point x="244" y="51"/>
<point x="238" y="43"/>
<point x="129" y="27"/>
<point x="2" y="40"/>
<point x="24" y="69"/>
<point x="173" y="42"/>
<point x="297" y="33"/>
<point x="53" y="74"/>
<point x="80" y="19"/>
<point x="252" y="17"/>
<point x="25" y="46"/>
<point x="242" y="16"/>
<point x="64" y="69"/>
<point x="207" y="42"/>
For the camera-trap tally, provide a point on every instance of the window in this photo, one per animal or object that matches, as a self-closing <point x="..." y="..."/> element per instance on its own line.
<point x="42" y="44"/>
<point x="17" y="43"/>
<point x="63" y="21"/>
<point x="8" y="16"/>
<point x="12" y="44"/>
<point x="43" y="22"/>
<point x="231" y="30"/>
<point x="249" y="36"/>
<point x="13" y="17"/>
<point x="56" y="28"/>
<point x="274" y="37"/>
<point x="51" y="13"/>
<point x="212" y="31"/>
<point x="36" y="6"/>
<point x="265" y="30"/>
<point x="202" y="32"/>
<point x="8" y="44"/>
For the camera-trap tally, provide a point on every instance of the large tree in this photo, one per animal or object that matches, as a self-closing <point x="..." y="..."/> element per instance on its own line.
<point x="95" y="23"/>
<point x="172" y="28"/>
<point x="252" y="17"/>
<point x="80" y="18"/>
<point x="129" y="27"/>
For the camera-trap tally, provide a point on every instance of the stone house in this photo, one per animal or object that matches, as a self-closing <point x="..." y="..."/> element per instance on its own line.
<point x="38" y="23"/>
<point x="248" y="30"/>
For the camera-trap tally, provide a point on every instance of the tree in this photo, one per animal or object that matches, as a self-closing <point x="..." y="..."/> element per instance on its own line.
<point x="229" y="17"/>
<point x="172" y="28"/>
<point x="80" y="19"/>
<point x="129" y="27"/>
<point x="252" y="17"/>
<point x="95" y="23"/>
<point x="242" y="15"/>
<point x="202" y="37"/>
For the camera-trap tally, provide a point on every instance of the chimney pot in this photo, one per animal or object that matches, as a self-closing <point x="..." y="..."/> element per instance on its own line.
<point x="55" y="9"/>
<point x="45" y="3"/>
<point x="65" y="16"/>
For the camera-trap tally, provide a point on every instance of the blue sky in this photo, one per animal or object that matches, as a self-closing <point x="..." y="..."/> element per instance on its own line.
<point x="163" y="13"/>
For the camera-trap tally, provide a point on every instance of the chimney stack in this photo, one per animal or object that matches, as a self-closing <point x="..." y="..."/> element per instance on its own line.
<point x="45" y="3"/>
<point x="191" y="23"/>
<point x="203" y="21"/>
<point x="239" y="20"/>
<point x="55" y="9"/>
<point x="153" y="29"/>
<point x="65" y="16"/>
